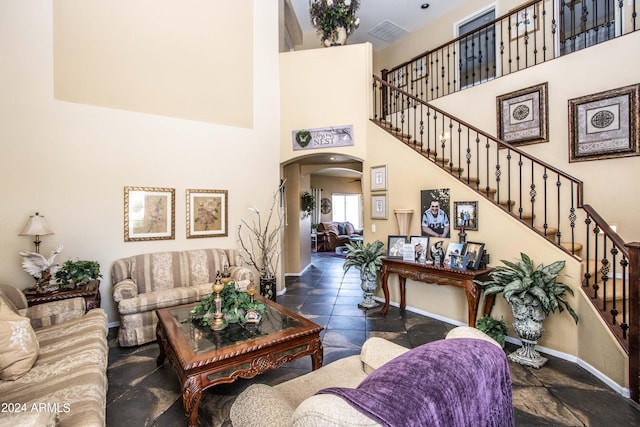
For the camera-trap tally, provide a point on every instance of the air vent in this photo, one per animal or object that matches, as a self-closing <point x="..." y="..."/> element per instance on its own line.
<point x="387" y="31"/>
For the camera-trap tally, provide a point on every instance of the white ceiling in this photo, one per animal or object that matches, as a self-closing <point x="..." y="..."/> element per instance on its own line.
<point x="405" y="14"/>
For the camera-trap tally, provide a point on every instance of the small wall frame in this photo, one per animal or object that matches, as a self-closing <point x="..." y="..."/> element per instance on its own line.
<point x="149" y="213"/>
<point x="605" y="125"/>
<point x="207" y="213"/>
<point x="465" y="215"/>
<point x="379" y="208"/>
<point x="379" y="178"/>
<point x="523" y="116"/>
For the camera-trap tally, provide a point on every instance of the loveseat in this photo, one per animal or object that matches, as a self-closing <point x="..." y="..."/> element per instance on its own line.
<point x="53" y="362"/>
<point x="462" y="380"/>
<point x="337" y="233"/>
<point x="144" y="283"/>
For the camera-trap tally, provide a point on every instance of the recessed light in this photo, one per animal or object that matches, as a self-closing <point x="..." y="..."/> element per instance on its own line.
<point x="424" y="6"/>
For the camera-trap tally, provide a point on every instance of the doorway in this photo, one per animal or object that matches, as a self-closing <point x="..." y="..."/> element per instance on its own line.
<point x="477" y="47"/>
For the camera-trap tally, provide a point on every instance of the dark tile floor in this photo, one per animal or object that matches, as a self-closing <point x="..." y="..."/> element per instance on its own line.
<point x="560" y="394"/>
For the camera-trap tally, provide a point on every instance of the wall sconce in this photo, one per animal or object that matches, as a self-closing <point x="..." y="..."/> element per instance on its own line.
<point x="36" y="226"/>
<point x="444" y="136"/>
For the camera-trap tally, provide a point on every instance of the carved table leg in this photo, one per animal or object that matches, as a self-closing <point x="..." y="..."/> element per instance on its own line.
<point x="191" y="394"/>
<point x="473" y="299"/>
<point x="161" y="343"/>
<point x="385" y="289"/>
<point x="402" y="282"/>
<point x="317" y="356"/>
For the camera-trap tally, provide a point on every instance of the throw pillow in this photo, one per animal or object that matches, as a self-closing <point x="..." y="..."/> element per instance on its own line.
<point x="18" y="344"/>
<point x="342" y="230"/>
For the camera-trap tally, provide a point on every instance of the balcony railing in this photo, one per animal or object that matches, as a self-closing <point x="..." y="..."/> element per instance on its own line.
<point x="533" y="33"/>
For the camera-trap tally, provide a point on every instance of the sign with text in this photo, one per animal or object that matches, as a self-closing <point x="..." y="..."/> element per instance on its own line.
<point x="305" y="139"/>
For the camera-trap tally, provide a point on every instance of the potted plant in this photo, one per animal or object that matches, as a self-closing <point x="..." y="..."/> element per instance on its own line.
<point x="334" y="20"/>
<point x="533" y="293"/>
<point x="74" y="274"/>
<point x="307" y="204"/>
<point x="496" y="329"/>
<point x="235" y="305"/>
<point x="368" y="260"/>
<point x="260" y="242"/>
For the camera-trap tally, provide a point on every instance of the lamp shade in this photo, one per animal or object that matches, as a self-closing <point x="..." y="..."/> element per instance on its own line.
<point x="36" y="226"/>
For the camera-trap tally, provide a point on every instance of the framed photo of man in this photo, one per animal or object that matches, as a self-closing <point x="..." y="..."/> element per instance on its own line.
<point x="435" y="213"/>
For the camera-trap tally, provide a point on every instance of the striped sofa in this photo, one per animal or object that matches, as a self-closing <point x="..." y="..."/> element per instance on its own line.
<point x="144" y="283"/>
<point x="67" y="383"/>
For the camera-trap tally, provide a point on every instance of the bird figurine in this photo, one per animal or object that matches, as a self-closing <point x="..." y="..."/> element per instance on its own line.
<point x="437" y="253"/>
<point x="41" y="268"/>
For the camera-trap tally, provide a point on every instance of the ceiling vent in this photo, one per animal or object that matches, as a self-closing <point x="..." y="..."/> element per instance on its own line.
<point x="387" y="31"/>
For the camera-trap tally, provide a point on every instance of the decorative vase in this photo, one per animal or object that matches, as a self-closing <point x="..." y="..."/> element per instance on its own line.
<point x="368" y="285"/>
<point x="338" y="38"/>
<point x="528" y="325"/>
<point x="404" y="220"/>
<point x="268" y="288"/>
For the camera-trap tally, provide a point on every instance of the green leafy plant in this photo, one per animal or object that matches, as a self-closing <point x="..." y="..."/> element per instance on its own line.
<point x="235" y="305"/>
<point x="529" y="283"/>
<point x="328" y="15"/>
<point x="496" y="329"/>
<point x="307" y="204"/>
<point x="73" y="274"/>
<point x="366" y="258"/>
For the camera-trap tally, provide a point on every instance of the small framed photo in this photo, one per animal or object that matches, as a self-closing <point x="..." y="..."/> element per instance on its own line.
<point x="379" y="178"/>
<point x="453" y="249"/>
<point x="605" y="125"/>
<point x="207" y="213"/>
<point x="524" y="22"/>
<point x="474" y="252"/>
<point x="149" y="213"/>
<point x="465" y="215"/>
<point x="379" y="206"/>
<point x="420" y="247"/>
<point x="523" y="115"/>
<point x="458" y="261"/>
<point x="395" y="246"/>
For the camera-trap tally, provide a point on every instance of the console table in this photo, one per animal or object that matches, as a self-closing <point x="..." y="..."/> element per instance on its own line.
<point x="443" y="276"/>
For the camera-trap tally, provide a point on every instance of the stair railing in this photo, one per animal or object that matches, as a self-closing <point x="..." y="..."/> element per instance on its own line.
<point x="542" y="197"/>
<point x="533" y="33"/>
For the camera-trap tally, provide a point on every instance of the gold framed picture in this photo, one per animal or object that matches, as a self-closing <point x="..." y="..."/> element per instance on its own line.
<point x="149" y="213"/>
<point x="207" y="213"/>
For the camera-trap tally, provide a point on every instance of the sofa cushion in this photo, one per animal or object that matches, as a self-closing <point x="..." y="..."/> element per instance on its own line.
<point x="18" y="343"/>
<point x="342" y="229"/>
<point x="150" y="301"/>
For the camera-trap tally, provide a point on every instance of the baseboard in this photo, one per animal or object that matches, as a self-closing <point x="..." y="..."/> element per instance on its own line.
<point x="298" y="274"/>
<point x="623" y="391"/>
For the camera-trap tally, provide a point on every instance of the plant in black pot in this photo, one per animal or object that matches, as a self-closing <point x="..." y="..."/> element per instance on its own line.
<point x="77" y="274"/>
<point x="368" y="260"/>
<point x="533" y="293"/>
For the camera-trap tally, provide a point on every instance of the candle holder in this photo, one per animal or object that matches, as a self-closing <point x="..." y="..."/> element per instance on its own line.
<point x="218" y="318"/>
<point x="252" y="315"/>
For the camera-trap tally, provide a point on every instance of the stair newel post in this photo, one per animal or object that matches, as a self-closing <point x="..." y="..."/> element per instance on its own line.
<point x="634" y="320"/>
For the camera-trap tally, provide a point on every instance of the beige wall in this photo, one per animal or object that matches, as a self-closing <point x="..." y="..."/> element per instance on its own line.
<point x="71" y="161"/>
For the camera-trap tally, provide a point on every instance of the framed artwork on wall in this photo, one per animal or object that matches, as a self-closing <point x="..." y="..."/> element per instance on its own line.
<point x="435" y="212"/>
<point x="379" y="206"/>
<point x="523" y="116"/>
<point x="379" y="178"/>
<point x="149" y="213"/>
<point x="207" y="213"/>
<point x="465" y="215"/>
<point x="523" y="22"/>
<point x="604" y="125"/>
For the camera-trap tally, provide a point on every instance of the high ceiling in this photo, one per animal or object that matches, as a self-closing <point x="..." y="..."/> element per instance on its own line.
<point x="388" y="18"/>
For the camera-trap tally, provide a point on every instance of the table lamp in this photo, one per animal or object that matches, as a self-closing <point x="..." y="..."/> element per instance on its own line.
<point x="36" y="226"/>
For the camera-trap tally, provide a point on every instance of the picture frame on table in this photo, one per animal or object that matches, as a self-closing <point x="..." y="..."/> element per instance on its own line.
<point x="465" y="215"/>
<point x="207" y="213"/>
<point x="395" y="246"/>
<point x="474" y="252"/>
<point x="523" y="115"/>
<point x="605" y="125"/>
<point x="379" y="178"/>
<point x="453" y="249"/>
<point x="379" y="206"/>
<point x="458" y="262"/>
<point x="149" y="213"/>
<point x="420" y="246"/>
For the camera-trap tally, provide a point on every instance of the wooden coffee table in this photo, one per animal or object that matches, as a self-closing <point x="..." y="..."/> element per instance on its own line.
<point x="203" y="358"/>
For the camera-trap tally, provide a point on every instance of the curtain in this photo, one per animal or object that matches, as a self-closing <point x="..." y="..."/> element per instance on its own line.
<point x="317" y="195"/>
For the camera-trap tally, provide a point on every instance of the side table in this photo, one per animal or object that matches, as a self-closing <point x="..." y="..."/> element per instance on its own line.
<point x="90" y="293"/>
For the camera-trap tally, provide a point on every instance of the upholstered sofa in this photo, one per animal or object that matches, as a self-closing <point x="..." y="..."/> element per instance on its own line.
<point x="53" y="362"/>
<point x="452" y="386"/>
<point x="337" y="233"/>
<point x="143" y="283"/>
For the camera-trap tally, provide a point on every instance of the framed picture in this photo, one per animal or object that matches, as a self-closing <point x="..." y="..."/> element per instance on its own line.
<point x="466" y="215"/>
<point x="379" y="207"/>
<point x="149" y="213"/>
<point x="523" y="116"/>
<point x="524" y="22"/>
<point x="379" y="178"/>
<point x="604" y="125"/>
<point x="420" y="69"/>
<point x="420" y="247"/>
<point x="453" y="249"/>
<point x="474" y="252"/>
<point x="207" y="213"/>
<point x="458" y="261"/>
<point x="395" y="245"/>
<point x="435" y="212"/>
<point x="400" y="77"/>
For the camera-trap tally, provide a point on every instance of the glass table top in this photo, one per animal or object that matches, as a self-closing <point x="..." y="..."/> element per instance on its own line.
<point x="202" y="339"/>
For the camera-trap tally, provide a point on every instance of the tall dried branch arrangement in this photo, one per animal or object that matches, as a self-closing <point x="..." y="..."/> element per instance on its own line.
<point x="260" y="239"/>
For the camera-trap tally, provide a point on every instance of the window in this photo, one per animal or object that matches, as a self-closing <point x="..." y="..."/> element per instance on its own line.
<point x="347" y="207"/>
<point x="477" y="50"/>
<point x="584" y="23"/>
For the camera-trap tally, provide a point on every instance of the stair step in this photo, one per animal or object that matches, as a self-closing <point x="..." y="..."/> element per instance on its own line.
<point x="525" y="216"/>
<point x="507" y="203"/>
<point x="577" y="247"/>
<point x="550" y="232"/>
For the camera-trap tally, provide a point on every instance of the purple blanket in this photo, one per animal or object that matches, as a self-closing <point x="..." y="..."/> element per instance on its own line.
<point x="454" y="382"/>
